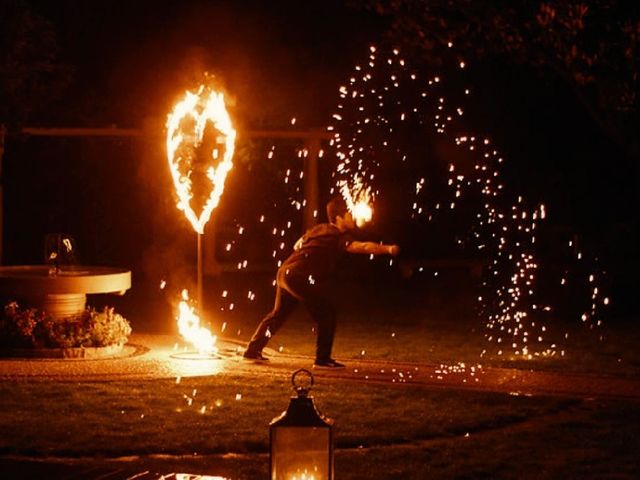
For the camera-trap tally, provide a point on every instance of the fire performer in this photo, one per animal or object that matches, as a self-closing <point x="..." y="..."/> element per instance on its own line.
<point x="304" y="277"/>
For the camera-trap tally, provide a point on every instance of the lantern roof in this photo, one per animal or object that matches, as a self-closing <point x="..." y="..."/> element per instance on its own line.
<point x="301" y="413"/>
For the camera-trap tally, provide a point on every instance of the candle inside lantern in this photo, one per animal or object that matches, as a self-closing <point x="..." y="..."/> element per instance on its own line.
<point x="303" y="476"/>
<point x="291" y="459"/>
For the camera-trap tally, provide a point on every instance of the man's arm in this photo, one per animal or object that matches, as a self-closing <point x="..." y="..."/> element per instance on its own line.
<point x="373" y="248"/>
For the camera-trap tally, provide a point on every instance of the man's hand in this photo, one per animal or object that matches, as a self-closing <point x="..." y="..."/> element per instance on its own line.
<point x="372" y="248"/>
<point x="393" y="250"/>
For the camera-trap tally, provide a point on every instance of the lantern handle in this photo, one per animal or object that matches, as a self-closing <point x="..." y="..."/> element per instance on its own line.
<point x="302" y="386"/>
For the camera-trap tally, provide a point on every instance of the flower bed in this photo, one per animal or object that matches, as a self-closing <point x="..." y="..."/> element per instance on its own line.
<point x="33" y="328"/>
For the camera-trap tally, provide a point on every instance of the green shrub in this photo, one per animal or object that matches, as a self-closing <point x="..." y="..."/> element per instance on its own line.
<point x="33" y="328"/>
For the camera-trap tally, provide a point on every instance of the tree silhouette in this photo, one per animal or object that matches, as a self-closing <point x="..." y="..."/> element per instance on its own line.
<point x="30" y="72"/>
<point x="593" y="47"/>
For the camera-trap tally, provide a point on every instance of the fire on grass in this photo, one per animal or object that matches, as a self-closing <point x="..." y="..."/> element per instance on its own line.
<point x="190" y="329"/>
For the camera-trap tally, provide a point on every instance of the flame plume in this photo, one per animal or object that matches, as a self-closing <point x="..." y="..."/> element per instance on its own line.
<point x="185" y="132"/>
<point x="190" y="329"/>
<point x="358" y="199"/>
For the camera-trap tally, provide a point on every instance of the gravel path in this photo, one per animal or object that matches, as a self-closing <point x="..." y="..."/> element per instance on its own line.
<point x="162" y="356"/>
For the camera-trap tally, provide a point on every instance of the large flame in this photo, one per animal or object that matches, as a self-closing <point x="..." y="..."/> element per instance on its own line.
<point x="190" y="329"/>
<point x="358" y="199"/>
<point x="185" y="127"/>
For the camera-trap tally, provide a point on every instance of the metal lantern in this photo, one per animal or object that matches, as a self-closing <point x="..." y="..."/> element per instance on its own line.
<point x="301" y="438"/>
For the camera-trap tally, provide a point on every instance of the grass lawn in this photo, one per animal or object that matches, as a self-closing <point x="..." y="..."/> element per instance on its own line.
<point x="382" y="431"/>
<point x="227" y="413"/>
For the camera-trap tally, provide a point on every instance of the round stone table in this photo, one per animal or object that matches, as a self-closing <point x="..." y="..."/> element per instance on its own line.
<point x="64" y="293"/>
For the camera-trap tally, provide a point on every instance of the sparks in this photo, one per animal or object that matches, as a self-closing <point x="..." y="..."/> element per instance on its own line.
<point x="358" y="199"/>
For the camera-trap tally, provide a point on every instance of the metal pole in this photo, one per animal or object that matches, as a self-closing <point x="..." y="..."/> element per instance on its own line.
<point x="311" y="181"/>
<point x="199" y="279"/>
<point x="3" y="131"/>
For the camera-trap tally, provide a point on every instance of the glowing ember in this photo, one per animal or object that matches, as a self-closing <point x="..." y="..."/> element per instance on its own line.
<point x="358" y="199"/>
<point x="186" y="128"/>
<point x="190" y="329"/>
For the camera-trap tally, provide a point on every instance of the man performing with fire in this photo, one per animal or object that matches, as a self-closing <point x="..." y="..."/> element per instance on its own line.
<point x="304" y="277"/>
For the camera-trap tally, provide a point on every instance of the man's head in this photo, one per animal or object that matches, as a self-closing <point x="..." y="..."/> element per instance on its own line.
<point x="336" y="207"/>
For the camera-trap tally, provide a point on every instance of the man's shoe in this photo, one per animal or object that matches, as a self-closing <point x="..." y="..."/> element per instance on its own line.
<point x="329" y="363"/>
<point x="256" y="356"/>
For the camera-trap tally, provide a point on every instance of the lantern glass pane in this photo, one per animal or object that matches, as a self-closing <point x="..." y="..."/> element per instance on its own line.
<point x="300" y="453"/>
